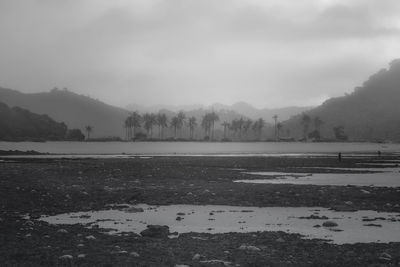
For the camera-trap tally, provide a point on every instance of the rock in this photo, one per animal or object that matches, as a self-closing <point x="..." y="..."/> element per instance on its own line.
<point x="90" y="237"/>
<point x="249" y="248"/>
<point x="385" y="257"/>
<point x="280" y="240"/>
<point x="134" y="254"/>
<point x="329" y="224"/>
<point x="179" y="218"/>
<point x="365" y="191"/>
<point x="196" y="257"/>
<point x="156" y="231"/>
<point x="134" y="210"/>
<point x="181" y="265"/>
<point x="66" y="257"/>
<point x="63" y="231"/>
<point x="81" y="256"/>
<point x="80" y="245"/>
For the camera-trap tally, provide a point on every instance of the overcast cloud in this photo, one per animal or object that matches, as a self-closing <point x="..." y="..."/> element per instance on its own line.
<point x="268" y="53"/>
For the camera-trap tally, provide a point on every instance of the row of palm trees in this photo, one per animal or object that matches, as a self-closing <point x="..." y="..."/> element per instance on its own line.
<point x="239" y="127"/>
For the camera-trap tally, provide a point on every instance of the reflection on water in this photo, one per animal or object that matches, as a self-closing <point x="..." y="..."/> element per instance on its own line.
<point x="380" y="177"/>
<point x="360" y="226"/>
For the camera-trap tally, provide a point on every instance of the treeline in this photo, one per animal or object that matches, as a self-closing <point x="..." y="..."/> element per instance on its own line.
<point x="17" y="124"/>
<point x="209" y="127"/>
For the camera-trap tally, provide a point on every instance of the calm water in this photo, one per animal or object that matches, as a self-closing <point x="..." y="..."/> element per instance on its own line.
<point x="352" y="226"/>
<point x="199" y="148"/>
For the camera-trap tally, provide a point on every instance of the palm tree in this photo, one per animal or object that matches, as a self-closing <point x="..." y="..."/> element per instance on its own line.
<point x="275" y="117"/>
<point x="226" y="126"/>
<point x="192" y="124"/>
<point x="135" y="123"/>
<point x="206" y="124"/>
<point x="181" y="119"/>
<point x="213" y="117"/>
<point x="149" y="121"/>
<point x="175" y="124"/>
<point x="279" y="127"/>
<point x="240" y="123"/>
<point x="246" y="125"/>
<point x="305" y="121"/>
<point x="162" y="122"/>
<point x="88" y="129"/>
<point x="258" y="126"/>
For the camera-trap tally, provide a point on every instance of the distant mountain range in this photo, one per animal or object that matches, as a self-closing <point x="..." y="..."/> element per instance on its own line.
<point x="240" y="108"/>
<point x="75" y="110"/>
<point x="371" y="112"/>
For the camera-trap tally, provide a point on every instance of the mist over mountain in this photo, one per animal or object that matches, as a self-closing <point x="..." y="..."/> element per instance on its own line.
<point x="240" y="109"/>
<point x="75" y="110"/>
<point x="370" y="112"/>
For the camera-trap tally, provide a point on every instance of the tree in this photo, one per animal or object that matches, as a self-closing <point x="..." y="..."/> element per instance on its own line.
<point x="181" y="119"/>
<point x="162" y="122"/>
<point x="317" y="125"/>
<point x="213" y="117"/>
<point x="258" y="125"/>
<point x="149" y="120"/>
<point x="175" y="124"/>
<point x="206" y="125"/>
<point x="192" y="124"/>
<point x="132" y="123"/>
<point x="275" y="117"/>
<point x="305" y="122"/>
<point x="226" y="125"/>
<point x="279" y="127"/>
<point x="246" y="125"/>
<point x="339" y="133"/>
<point x="88" y="130"/>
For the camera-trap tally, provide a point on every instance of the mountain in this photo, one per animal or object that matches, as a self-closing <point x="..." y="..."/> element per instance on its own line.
<point x="371" y="112"/>
<point x="18" y="124"/>
<point x="241" y="108"/>
<point x="75" y="110"/>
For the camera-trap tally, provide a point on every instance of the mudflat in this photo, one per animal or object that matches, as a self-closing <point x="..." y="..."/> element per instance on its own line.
<point x="33" y="187"/>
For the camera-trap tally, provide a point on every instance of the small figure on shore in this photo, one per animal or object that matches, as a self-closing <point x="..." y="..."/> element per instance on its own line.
<point x="340" y="156"/>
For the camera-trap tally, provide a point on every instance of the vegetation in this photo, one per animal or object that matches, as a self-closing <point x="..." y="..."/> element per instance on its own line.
<point x="17" y="124"/>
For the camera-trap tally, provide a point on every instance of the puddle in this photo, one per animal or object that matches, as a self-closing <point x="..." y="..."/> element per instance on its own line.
<point x="352" y="226"/>
<point x="380" y="177"/>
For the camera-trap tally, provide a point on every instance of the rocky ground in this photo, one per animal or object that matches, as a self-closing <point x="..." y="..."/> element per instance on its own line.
<point x="30" y="188"/>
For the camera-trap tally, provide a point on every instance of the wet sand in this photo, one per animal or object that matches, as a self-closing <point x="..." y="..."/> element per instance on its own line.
<point x="30" y="188"/>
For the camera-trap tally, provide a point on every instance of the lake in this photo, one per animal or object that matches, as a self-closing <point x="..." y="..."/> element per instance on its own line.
<point x="198" y="148"/>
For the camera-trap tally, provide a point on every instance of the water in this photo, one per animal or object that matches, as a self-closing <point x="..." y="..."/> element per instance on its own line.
<point x="380" y="177"/>
<point x="352" y="226"/>
<point x="199" y="148"/>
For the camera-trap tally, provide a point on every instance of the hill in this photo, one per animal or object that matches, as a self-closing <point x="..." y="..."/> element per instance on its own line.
<point x="370" y="112"/>
<point x="75" y="110"/>
<point x="17" y="124"/>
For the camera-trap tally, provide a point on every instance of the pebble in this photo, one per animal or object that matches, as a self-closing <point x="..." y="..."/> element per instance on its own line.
<point x="63" y="231"/>
<point x="196" y="257"/>
<point x="90" y="237"/>
<point x="66" y="257"/>
<point x="134" y="254"/>
<point x="385" y="257"/>
<point x="329" y="224"/>
<point x="250" y="248"/>
<point x="81" y="256"/>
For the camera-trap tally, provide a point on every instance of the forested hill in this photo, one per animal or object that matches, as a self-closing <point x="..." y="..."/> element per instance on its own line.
<point x="371" y="112"/>
<point x="21" y="124"/>
<point x="75" y="110"/>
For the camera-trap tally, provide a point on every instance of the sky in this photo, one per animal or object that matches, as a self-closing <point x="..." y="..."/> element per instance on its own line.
<point x="269" y="53"/>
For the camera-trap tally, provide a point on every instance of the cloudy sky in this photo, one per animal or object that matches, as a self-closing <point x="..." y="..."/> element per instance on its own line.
<point x="270" y="53"/>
